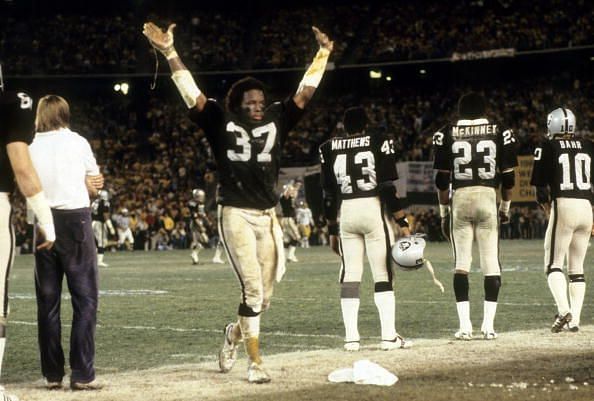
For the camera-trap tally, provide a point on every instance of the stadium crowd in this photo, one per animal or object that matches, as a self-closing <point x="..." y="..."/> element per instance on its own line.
<point x="275" y="37"/>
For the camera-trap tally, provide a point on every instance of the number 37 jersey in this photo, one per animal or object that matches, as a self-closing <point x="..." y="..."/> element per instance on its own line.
<point x="565" y="166"/>
<point x="354" y="166"/>
<point x="475" y="152"/>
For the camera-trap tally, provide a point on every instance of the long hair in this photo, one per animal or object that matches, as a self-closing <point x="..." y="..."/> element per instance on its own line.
<point x="53" y="112"/>
<point x="235" y="93"/>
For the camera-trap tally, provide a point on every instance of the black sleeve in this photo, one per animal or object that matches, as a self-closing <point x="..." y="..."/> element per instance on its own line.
<point x="509" y="150"/>
<point x="541" y="167"/>
<point x="386" y="160"/>
<point x="289" y="114"/>
<point x="17" y="118"/>
<point x="210" y="119"/>
<point x="328" y="184"/>
<point x="441" y="150"/>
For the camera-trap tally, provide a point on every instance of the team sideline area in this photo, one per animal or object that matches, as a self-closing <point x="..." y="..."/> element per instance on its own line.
<point x="157" y="310"/>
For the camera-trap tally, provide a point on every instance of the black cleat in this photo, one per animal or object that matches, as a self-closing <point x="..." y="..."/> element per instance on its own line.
<point x="560" y="322"/>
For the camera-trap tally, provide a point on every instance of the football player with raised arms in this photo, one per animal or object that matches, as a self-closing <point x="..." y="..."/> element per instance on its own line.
<point x="246" y="137"/>
<point x="474" y="156"/>
<point x="562" y="175"/>
<point x="288" y="223"/>
<point x="358" y="174"/>
<point x="16" y="133"/>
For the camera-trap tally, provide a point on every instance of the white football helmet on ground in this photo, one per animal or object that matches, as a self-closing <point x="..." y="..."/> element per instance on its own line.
<point x="407" y="252"/>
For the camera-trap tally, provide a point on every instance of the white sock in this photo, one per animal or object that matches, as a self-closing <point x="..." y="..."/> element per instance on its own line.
<point x="489" y="310"/>
<point x="558" y="287"/>
<point x="250" y="326"/>
<point x="350" y="314"/>
<point x="576" y="297"/>
<point x="464" y="316"/>
<point x="291" y="253"/>
<point x="217" y="254"/>
<point x="100" y="257"/>
<point x="386" y="306"/>
<point x="2" y="345"/>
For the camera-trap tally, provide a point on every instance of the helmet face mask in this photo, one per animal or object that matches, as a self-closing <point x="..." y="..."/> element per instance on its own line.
<point x="560" y="121"/>
<point x="407" y="253"/>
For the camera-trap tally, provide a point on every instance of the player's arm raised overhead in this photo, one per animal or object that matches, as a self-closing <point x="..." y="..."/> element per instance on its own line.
<point x="163" y="41"/>
<point x="315" y="72"/>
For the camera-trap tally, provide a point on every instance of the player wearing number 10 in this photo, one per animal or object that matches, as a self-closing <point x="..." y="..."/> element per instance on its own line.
<point x="562" y="175"/>
<point x="247" y="139"/>
<point x="475" y="155"/>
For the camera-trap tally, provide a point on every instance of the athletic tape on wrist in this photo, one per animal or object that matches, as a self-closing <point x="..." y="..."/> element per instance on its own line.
<point x="315" y="72"/>
<point x="171" y="55"/>
<point x="38" y="204"/>
<point x="186" y="86"/>
<point x="504" y="206"/>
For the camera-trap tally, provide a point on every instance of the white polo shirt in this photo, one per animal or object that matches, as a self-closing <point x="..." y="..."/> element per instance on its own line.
<point x="63" y="159"/>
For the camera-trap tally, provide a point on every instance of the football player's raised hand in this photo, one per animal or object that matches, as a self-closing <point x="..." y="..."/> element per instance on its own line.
<point x="323" y="40"/>
<point x="160" y="39"/>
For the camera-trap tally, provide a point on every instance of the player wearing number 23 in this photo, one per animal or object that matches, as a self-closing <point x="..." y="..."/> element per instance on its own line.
<point x="475" y="155"/>
<point x="562" y="175"/>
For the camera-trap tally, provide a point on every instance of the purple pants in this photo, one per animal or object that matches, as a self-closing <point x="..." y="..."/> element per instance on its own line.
<point x="74" y="254"/>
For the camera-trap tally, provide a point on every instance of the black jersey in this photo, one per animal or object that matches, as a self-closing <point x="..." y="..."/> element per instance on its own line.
<point x="16" y="125"/>
<point x="247" y="154"/>
<point x="475" y="152"/>
<point x="98" y="209"/>
<point x="354" y="166"/>
<point x="287" y="206"/>
<point x="565" y="166"/>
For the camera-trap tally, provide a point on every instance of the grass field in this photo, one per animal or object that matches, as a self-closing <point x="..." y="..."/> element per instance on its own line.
<point x="158" y="311"/>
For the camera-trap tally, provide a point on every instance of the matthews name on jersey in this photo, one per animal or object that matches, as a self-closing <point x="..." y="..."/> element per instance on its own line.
<point x="247" y="154"/>
<point x="354" y="166"/>
<point x="565" y="166"/>
<point x="16" y="125"/>
<point x="476" y="152"/>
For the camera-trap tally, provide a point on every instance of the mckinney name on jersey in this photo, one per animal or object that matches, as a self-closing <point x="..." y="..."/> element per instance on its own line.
<point x="473" y="130"/>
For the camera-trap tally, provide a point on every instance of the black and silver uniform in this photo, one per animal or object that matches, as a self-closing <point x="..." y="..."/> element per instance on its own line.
<point x="247" y="153"/>
<point x="354" y="166"/>
<point x="475" y="152"/>
<point x="98" y="209"/>
<point x="16" y="125"/>
<point x="564" y="165"/>
<point x="287" y="204"/>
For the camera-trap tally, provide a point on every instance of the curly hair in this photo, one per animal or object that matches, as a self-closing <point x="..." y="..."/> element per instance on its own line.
<point x="235" y="93"/>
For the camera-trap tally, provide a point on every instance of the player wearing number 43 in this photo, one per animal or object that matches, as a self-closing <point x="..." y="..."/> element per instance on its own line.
<point x="474" y="156"/>
<point x="358" y="175"/>
<point x="562" y="174"/>
<point x="247" y="139"/>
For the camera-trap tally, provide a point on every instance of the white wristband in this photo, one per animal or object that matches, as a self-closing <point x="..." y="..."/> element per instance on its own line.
<point x="171" y="55"/>
<point x="504" y="206"/>
<point x="444" y="210"/>
<point x="186" y="86"/>
<point x="315" y="72"/>
<point x="38" y="204"/>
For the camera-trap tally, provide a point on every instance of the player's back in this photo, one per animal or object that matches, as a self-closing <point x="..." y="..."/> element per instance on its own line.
<point x="565" y="165"/>
<point x="357" y="164"/>
<point x="475" y="152"/>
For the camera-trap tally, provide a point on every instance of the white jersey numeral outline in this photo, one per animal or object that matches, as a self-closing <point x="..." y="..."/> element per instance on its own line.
<point x="367" y="161"/>
<point x="464" y="172"/>
<point x="243" y="140"/>
<point x="581" y="165"/>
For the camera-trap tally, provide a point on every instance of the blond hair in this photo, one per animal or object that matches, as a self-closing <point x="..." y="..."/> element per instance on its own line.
<point x="53" y="112"/>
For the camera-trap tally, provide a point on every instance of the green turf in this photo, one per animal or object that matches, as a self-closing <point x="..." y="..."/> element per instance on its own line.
<point x="157" y="309"/>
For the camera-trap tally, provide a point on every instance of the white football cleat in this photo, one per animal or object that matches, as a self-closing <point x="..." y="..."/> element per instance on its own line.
<point x="397" y="343"/>
<point x="195" y="258"/>
<point x="489" y="335"/>
<point x="228" y="354"/>
<point x="102" y="264"/>
<point x="463" y="335"/>
<point x="352" y="346"/>
<point x="560" y="322"/>
<point x="292" y="259"/>
<point x="257" y="374"/>
<point x="218" y="261"/>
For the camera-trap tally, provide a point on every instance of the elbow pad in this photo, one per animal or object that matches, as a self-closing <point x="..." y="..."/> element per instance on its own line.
<point x="442" y="180"/>
<point x="508" y="180"/>
<point x="389" y="196"/>
<point x="542" y="195"/>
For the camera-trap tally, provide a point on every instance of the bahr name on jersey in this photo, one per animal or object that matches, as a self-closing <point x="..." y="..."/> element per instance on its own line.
<point x="473" y="130"/>
<point x="350" y="143"/>
<point x="565" y="144"/>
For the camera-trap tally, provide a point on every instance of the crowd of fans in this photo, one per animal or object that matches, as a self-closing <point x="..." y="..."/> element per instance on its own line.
<point x="273" y="37"/>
